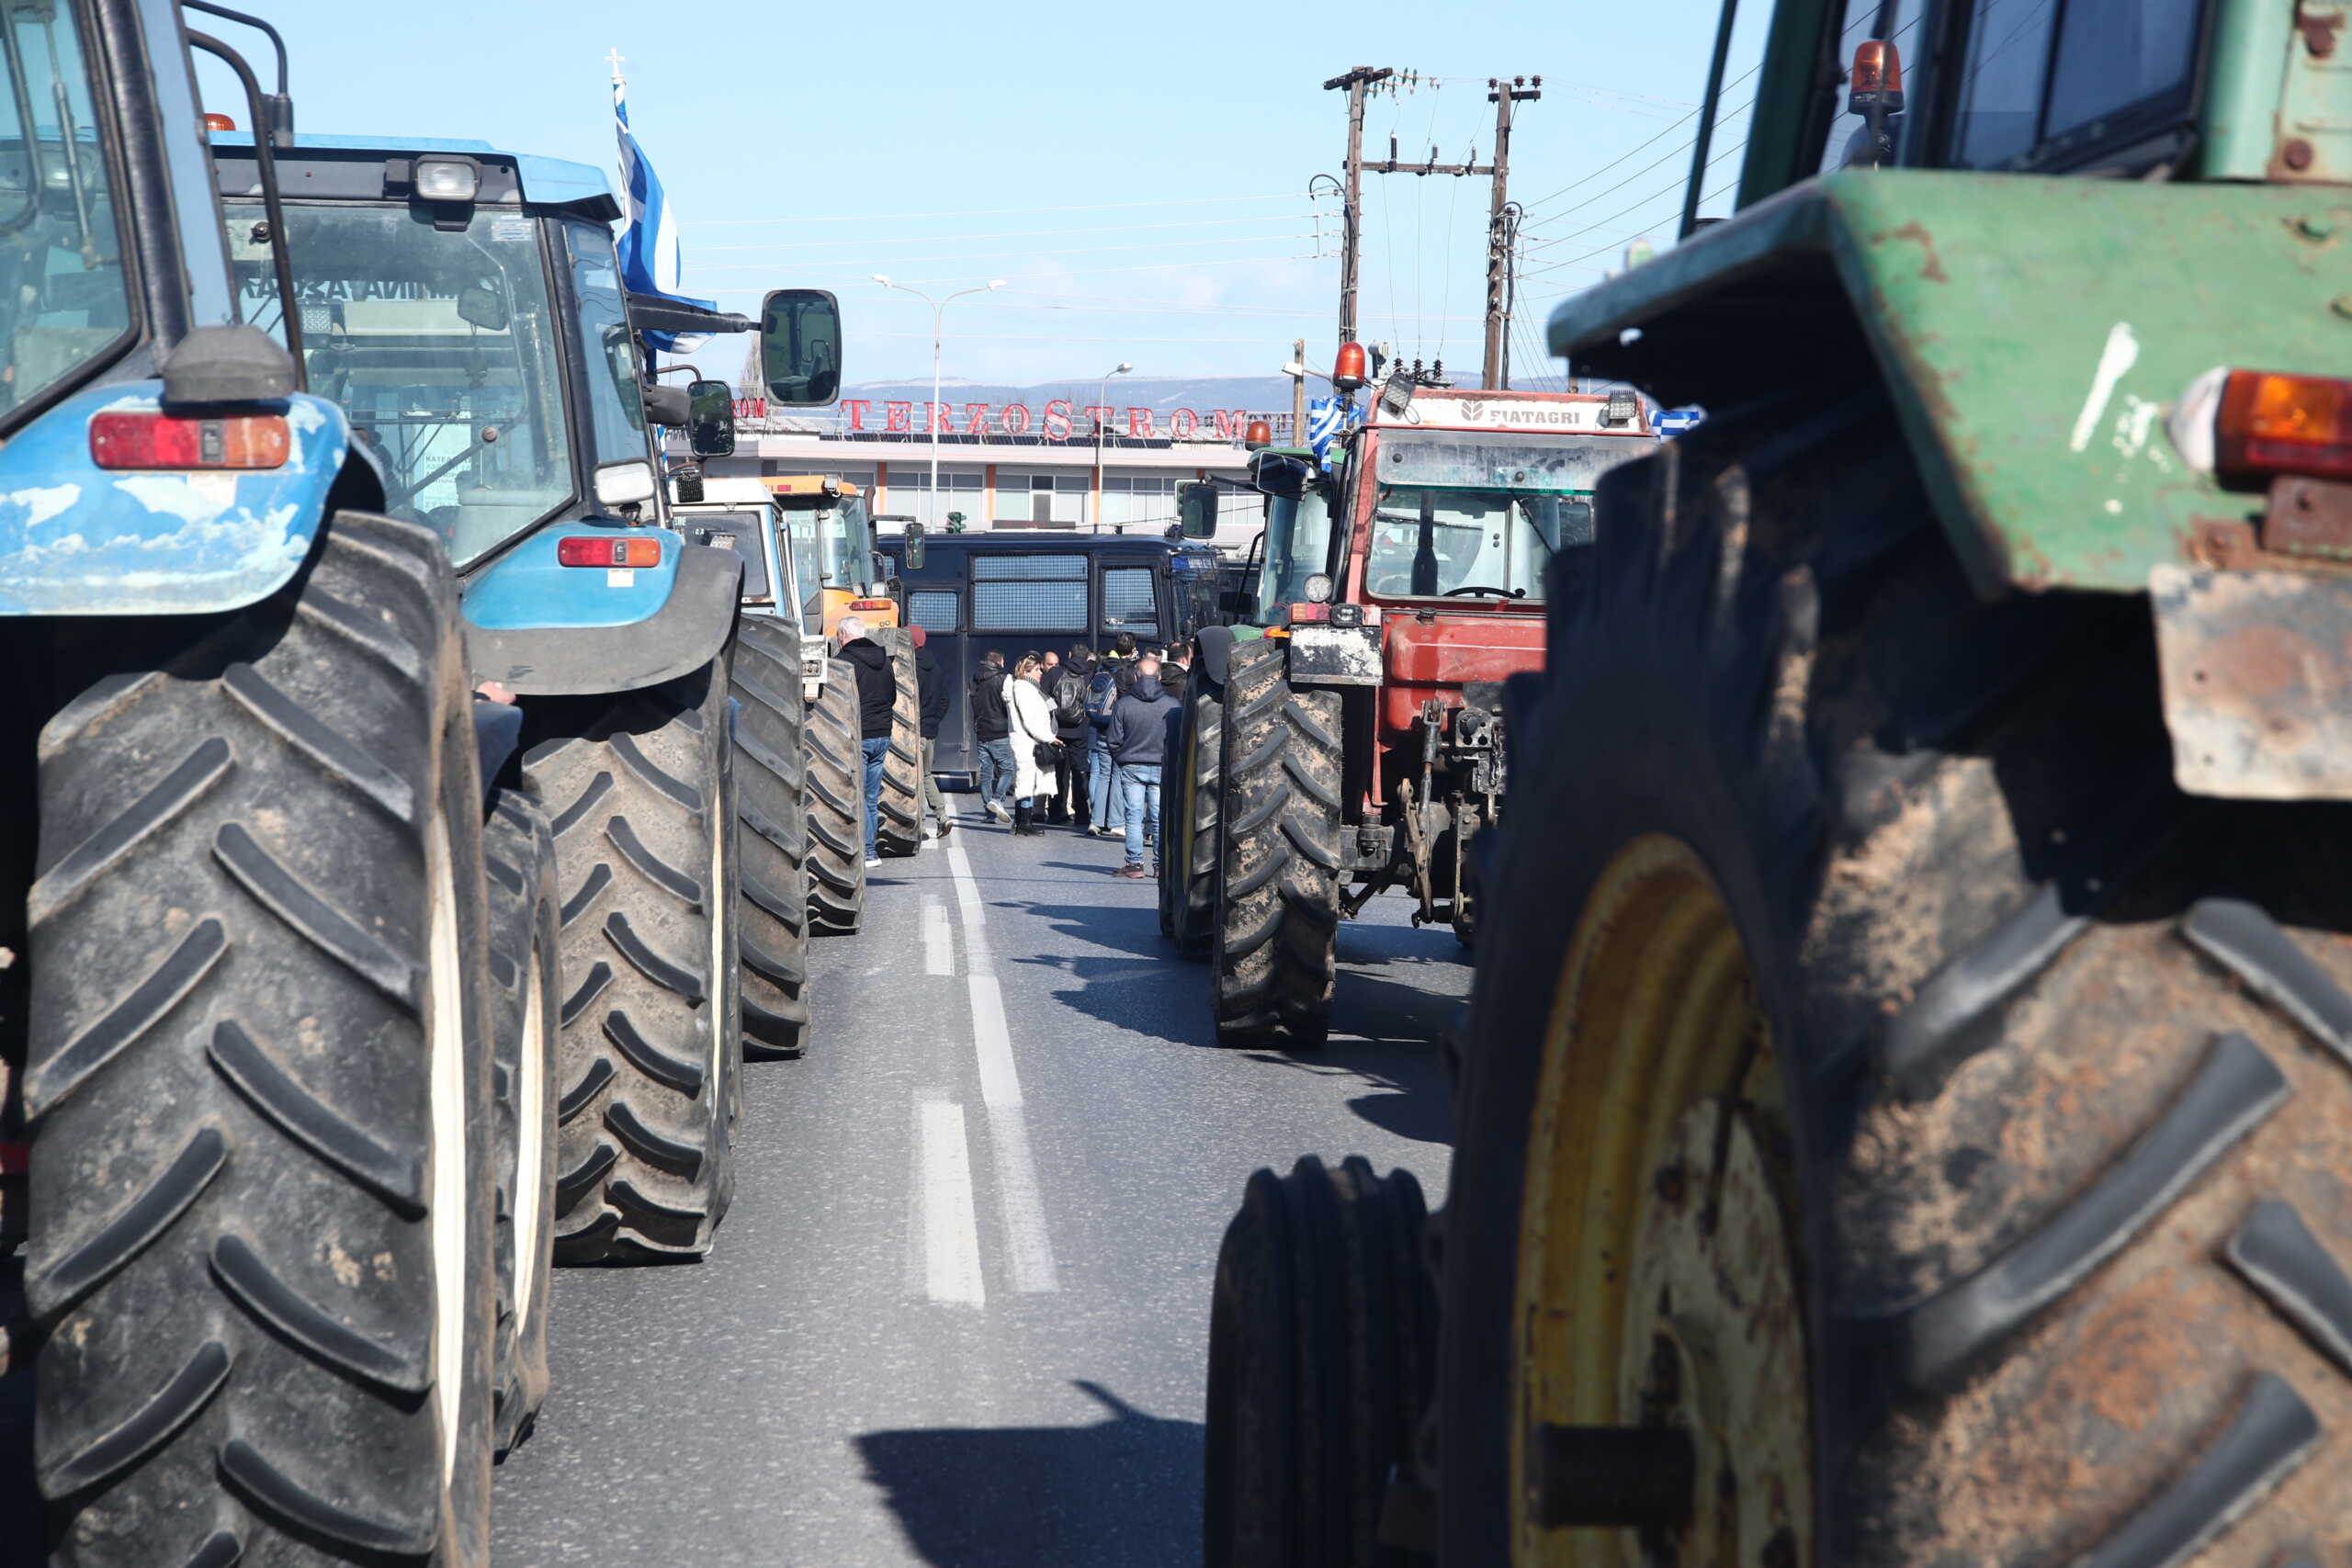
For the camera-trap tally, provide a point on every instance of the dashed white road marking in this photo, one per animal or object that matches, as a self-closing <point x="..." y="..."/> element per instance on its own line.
<point x="1021" y="1209"/>
<point x="951" y="1231"/>
<point x="938" y="949"/>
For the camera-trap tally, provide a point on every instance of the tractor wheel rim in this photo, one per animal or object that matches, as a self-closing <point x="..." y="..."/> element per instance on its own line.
<point x="446" y="1031"/>
<point x="1657" y="1277"/>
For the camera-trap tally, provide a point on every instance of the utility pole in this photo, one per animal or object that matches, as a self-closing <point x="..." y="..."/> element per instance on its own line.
<point x="1501" y="216"/>
<point x="1501" y="224"/>
<point x="1298" y="393"/>
<point x="1352" y="215"/>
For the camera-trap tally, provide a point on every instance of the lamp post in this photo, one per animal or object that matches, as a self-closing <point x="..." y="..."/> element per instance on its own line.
<point x="1101" y="400"/>
<point x="938" y="310"/>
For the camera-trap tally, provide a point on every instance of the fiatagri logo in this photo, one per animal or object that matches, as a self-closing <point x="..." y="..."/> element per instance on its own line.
<point x="1513" y="414"/>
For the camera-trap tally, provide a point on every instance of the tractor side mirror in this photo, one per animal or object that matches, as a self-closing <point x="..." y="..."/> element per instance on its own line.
<point x="1196" y="510"/>
<point x="1277" y="475"/>
<point x="710" y="418"/>
<point x="912" y="546"/>
<point x="800" y="348"/>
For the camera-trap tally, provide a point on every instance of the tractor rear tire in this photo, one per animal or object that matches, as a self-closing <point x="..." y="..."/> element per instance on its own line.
<point x="770" y="781"/>
<point x="1188" y="815"/>
<point x="1322" y="1350"/>
<point x="637" y="786"/>
<point x="525" y="945"/>
<point x="258" y="1084"/>
<point x="901" y="806"/>
<point x="836" y="798"/>
<point x="1278" y="898"/>
<point x="1880" y="1011"/>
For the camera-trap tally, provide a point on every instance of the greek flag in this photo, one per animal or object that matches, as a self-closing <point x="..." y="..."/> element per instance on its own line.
<point x="1324" y="420"/>
<point x="650" y="254"/>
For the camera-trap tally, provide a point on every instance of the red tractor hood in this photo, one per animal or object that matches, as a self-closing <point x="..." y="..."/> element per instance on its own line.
<point x="1437" y="657"/>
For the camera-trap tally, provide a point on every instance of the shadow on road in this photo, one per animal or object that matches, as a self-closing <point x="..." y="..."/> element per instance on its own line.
<point x="1123" y="1492"/>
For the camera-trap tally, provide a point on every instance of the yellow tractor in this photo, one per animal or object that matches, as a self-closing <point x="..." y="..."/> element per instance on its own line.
<point x="828" y="535"/>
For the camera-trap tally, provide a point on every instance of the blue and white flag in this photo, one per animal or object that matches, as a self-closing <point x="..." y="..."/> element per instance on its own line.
<point x="1325" y="418"/>
<point x="1671" y="422"/>
<point x="650" y="254"/>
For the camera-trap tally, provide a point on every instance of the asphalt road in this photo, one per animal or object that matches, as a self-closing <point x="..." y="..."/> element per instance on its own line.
<point x="958" y="1314"/>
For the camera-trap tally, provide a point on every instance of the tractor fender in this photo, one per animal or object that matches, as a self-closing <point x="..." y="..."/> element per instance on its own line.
<point x="568" y="653"/>
<point x="76" y="540"/>
<point x="2035" y="336"/>
<point x="1213" y="645"/>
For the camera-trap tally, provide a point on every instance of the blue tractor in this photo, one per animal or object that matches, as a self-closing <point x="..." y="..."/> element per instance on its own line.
<point x="463" y="305"/>
<point x="246" y="1002"/>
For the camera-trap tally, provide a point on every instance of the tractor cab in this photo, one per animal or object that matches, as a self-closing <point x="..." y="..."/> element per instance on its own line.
<point x="1416" y="560"/>
<point x="831" y="535"/>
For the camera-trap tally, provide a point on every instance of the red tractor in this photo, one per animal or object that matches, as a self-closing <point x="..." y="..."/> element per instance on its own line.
<point x="1347" y="735"/>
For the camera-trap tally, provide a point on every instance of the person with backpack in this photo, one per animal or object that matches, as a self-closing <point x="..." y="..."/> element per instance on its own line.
<point x="877" y="689"/>
<point x="1067" y="688"/>
<point x="991" y="732"/>
<point x="1138" y="740"/>
<point x="1103" y="693"/>
<point x="931" y="684"/>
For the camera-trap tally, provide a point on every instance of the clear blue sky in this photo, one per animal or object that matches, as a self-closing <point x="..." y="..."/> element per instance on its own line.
<point x="791" y="139"/>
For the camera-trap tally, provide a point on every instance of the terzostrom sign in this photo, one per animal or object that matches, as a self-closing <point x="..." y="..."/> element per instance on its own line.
<point x="1061" y="421"/>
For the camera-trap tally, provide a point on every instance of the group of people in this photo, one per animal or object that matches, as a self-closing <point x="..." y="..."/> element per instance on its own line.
<point x="1064" y="739"/>
<point x="1078" y="739"/>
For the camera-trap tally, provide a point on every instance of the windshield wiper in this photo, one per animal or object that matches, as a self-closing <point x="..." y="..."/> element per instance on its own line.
<point x="1498" y="592"/>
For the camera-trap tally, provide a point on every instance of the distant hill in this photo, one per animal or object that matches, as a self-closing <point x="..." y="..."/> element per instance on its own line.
<point x="1253" y="392"/>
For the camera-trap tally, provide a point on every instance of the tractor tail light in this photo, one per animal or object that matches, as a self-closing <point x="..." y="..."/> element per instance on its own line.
<point x="600" y="549"/>
<point x="2271" y="424"/>
<point x="143" y="439"/>
<point x="868" y="604"/>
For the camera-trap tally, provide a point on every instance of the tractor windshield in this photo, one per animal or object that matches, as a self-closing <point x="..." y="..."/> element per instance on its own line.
<point x="1431" y="542"/>
<point x="1461" y="514"/>
<point x="439" y="342"/>
<point x="68" y="298"/>
<point x="845" y="540"/>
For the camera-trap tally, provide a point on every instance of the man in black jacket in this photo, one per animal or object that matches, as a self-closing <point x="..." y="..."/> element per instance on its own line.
<point x="931" y="688"/>
<point x="1065" y="693"/>
<point x="992" y="725"/>
<point x="878" y="692"/>
<point x="1138" y="740"/>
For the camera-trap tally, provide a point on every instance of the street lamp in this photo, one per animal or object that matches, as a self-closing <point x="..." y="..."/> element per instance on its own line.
<point x="938" y="309"/>
<point x="1101" y="400"/>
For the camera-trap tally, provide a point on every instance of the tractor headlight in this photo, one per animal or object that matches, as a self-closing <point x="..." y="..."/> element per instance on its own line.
<point x="447" y="179"/>
<point x="1318" y="589"/>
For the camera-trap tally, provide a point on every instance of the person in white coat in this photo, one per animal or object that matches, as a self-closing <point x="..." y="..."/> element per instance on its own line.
<point x="1032" y="726"/>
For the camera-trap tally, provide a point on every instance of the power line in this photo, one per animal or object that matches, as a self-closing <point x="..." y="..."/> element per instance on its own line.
<point x="1001" y="235"/>
<point x="1066" y="272"/>
<point x="987" y="211"/>
<point x="1670" y="190"/>
<point x="1057" y="251"/>
<point x="1633" y="150"/>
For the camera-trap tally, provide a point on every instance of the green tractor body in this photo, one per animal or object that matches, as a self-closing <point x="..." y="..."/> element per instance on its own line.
<point x="2079" y="229"/>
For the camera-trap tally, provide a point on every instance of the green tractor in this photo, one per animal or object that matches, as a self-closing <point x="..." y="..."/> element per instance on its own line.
<point x="1905" y="1112"/>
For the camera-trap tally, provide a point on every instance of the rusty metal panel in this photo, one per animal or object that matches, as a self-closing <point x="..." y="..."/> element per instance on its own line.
<point x="1335" y="656"/>
<point x="2257" y="681"/>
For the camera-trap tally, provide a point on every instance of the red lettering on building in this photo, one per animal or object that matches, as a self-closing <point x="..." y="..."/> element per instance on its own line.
<point x="938" y="419"/>
<point x="857" y="407"/>
<point x="1016" y="419"/>
<point x="976" y="418"/>
<point x="1100" y="415"/>
<point x="1139" y="422"/>
<point x="1229" y="425"/>
<point x="1057" y="420"/>
<point x="898" y="417"/>
<point x="1183" y="424"/>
